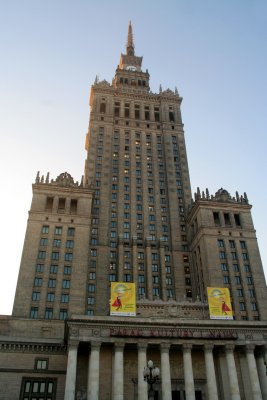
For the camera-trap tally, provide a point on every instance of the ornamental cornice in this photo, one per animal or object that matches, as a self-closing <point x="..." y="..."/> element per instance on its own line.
<point x="32" y="347"/>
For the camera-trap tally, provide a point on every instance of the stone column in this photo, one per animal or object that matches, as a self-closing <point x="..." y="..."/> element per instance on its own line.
<point x="165" y="372"/>
<point x="253" y="374"/>
<point x="188" y="372"/>
<point x="232" y="374"/>
<point x="262" y="375"/>
<point x="210" y="373"/>
<point x="71" y="371"/>
<point x="117" y="392"/>
<point x="142" y="362"/>
<point x="93" y="372"/>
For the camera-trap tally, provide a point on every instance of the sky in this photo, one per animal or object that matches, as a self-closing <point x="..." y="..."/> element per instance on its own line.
<point x="213" y="51"/>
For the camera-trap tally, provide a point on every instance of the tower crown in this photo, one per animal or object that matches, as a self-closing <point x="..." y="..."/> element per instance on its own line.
<point x="130" y="61"/>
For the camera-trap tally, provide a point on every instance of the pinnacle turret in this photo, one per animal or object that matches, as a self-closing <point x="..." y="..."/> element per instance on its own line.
<point x="130" y="42"/>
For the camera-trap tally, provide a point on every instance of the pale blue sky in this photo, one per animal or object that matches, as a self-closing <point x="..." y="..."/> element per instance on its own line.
<point x="51" y="51"/>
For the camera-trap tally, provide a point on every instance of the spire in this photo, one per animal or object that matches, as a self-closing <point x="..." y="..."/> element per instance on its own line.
<point x="130" y="43"/>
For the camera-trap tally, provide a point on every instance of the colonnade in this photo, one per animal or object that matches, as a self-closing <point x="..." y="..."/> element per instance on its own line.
<point x="255" y="367"/>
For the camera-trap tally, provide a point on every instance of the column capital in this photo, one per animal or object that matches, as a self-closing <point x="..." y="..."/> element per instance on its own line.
<point x="73" y="344"/>
<point x="250" y="348"/>
<point x="95" y="345"/>
<point x="118" y="346"/>
<point x="187" y="347"/>
<point x="208" y="347"/>
<point x="229" y="348"/>
<point x="141" y="346"/>
<point x="165" y="347"/>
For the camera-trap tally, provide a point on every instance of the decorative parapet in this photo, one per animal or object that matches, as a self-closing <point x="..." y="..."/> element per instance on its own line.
<point x="63" y="180"/>
<point x="221" y="195"/>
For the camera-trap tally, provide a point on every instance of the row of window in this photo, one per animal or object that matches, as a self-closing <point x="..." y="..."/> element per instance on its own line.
<point x="49" y="313"/>
<point x="38" y="282"/>
<point x="55" y="255"/>
<point x="36" y="296"/>
<point x="69" y="244"/>
<point x="61" y="205"/>
<point x="232" y="243"/>
<point x="237" y="280"/>
<point x="233" y="255"/>
<point x="58" y="230"/>
<point x="226" y="219"/>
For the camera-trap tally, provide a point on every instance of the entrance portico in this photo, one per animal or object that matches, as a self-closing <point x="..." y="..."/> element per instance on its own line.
<point x="189" y="358"/>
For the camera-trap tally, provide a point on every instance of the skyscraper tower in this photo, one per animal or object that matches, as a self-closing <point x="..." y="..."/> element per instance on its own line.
<point x="132" y="219"/>
<point x="137" y="165"/>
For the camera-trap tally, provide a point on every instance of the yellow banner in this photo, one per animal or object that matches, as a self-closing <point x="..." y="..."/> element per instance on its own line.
<point x="122" y="299"/>
<point x="219" y="303"/>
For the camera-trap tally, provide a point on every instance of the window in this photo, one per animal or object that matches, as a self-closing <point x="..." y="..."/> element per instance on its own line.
<point x="92" y="275"/>
<point x="141" y="278"/>
<point x="58" y="230"/>
<point x="155" y="291"/>
<point x="50" y="297"/>
<point x="90" y="312"/>
<point x="53" y="269"/>
<point x="254" y="307"/>
<point x="52" y="283"/>
<point x="38" y="388"/>
<point x="227" y="219"/>
<point x="245" y="256"/>
<point x="226" y="280"/>
<point x="239" y="292"/>
<point x="235" y="267"/>
<point x="34" y="312"/>
<point x="216" y="218"/>
<point x="91" y="300"/>
<point x="169" y="281"/>
<point x="242" y="306"/>
<point x="45" y="229"/>
<point x="140" y="255"/>
<point x="67" y="270"/>
<point x="68" y="256"/>
<point x="249" y="280"/>
<point x="65" y="298"/>
<point x="91" y="288"/>
<point x="224" y="267"/>
<point x="41" y="255"/>
<point x="251" y="292"/>
<point x="63" y="314"/>
<point x="71" y="231"/>
<point x="93" y="252"/>
<point x="112" y="278"/>
<point x="43" y="242"/>
<point x="237" y="220"/>
<point x="237" y="280"/>
<point x="55" y="255"/>
<point x="48" y="313"/>
<point x="234" y="255"/>
<point x="39" y="268"/>
<point x="38" y="282"/>
<point x="155" y="279"/>
<point x="35" y="296"/>
<point x="155" y="268"/>
<point x="247" y="267"/>
<point x="41" y="364"/>
<point x="243" y="244"/>
<point x="167" y="258"/>
<point x="127" y="278"/>
<point x="232" y="244"/>
<point x="222" y="255"/>
<point x="56" y="243"/>
<point x="66" y="283"/>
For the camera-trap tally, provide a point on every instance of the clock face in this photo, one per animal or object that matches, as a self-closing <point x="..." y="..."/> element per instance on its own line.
<point x="131" y="68"/>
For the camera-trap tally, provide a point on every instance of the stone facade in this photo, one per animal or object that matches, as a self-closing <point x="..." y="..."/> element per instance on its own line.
<point x="132" y="219"/>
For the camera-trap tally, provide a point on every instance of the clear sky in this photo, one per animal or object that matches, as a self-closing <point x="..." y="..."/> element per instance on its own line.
<point x="213" y="51"/>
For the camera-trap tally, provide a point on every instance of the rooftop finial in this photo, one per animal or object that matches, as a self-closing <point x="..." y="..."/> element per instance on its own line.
<point x="130" y="43"/>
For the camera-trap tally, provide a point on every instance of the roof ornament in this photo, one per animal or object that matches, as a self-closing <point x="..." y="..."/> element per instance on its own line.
<point x="130" y="42"/>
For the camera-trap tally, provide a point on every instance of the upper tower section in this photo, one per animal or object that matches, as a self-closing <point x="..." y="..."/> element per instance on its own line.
<point x="129" y="74"/>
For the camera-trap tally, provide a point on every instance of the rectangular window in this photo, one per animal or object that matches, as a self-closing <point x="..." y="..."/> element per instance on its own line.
<point x="45" y="229"/>
<point x="249" y="280"/>
<point x="232" y="244"/>
<point x="71" y="231"/>
<point x="50" y="297"/>
<point x="38" y="282"/>
<point x="55" y="255"/>
<point x="65" y="298"/>
<point x="68" y="256"/>
<point x="35" y="296"/>
<point x="67" y="270"/>
<point x="63" y="314"/>
<point x="237" y="280"/>
<point x="216" y="218"/>
<point x="66" y="283"/>
<point x="58" y="230"/>
<point x="91" y="288"/>
<point x="39" y="268"/>
<point x="52" y="283"/>
<point x="56" y="242"/>
<point x="43" y="242"/>
<point x="34" y="312"/>
<point x="48" y="313"/>
<point x="41" y="255"/>
<point x="127" y="278"/>
<point x="53" y="269"/>
<point x="226" y="280"/>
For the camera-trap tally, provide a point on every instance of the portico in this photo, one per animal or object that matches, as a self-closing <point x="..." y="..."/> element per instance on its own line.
<point x="194" y="361"/>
